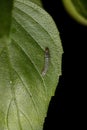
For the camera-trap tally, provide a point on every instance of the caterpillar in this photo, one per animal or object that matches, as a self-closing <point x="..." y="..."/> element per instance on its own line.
<point x="46" y="61"/>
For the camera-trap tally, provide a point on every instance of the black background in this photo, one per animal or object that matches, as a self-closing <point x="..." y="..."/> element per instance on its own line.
<point x="64" y="106"/>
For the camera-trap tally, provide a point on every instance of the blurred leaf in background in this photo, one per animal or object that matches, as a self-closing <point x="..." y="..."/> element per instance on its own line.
<point x="77" y="9"/>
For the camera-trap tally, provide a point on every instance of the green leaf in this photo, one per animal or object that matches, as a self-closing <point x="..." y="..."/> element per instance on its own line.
<point x="38" y="2"/>
<point x="5" y="16"/>
<point x="24" y="92"/>
<point x="77" y="9"/>
<point x="81" y="7"/>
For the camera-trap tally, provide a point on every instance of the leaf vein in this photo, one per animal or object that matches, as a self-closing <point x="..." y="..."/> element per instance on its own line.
<point x="27" y="119"/>
<point x="27" y="32"/>
<point x="7" y="115"/>
<point x="29" y="93"/>
<point x="32" y="64"/>
<point x="22" y="11"/>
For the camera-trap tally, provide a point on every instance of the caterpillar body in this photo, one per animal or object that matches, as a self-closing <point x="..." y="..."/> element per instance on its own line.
<point x="46" y="61"/>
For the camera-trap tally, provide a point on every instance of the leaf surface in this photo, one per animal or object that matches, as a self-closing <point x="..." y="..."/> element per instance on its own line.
<point x="24" y="92"/>
<point x="38" y="2"/>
